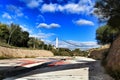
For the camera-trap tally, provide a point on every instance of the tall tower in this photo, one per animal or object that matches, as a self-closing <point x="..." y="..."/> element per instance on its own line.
<point x="56" y="45"/>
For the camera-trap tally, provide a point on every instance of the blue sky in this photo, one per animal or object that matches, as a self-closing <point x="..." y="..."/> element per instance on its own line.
<point x="69" y="20"/>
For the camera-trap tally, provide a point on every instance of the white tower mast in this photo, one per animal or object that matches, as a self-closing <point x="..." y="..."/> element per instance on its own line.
<point x="56" y="42"/>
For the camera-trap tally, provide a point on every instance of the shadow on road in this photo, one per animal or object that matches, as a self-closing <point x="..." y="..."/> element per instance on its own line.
<point x="22" y="71"/>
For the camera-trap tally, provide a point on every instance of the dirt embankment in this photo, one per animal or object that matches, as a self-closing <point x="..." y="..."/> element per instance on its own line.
<point x="23" y="53"/>
<point x="113" y="58"/>
<point x="98" y="53"/>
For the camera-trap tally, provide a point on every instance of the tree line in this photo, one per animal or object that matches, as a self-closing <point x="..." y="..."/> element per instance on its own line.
<point x="14" y="35"/>
<point x="68" y="52"/>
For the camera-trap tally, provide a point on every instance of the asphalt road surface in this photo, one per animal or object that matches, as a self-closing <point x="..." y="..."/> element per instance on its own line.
<point x="79" y="68"/>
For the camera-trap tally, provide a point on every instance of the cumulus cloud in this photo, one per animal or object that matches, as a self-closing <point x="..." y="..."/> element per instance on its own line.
<point x="44" y="25"/>
<point x="32" y="3"/>
<point x="84" y="6"/>
<point x="74" y="8"/>
<point x="17" y="11"/>
<point x="48" y="26"/>
<point x="69" y="8"/>
<point x="42" y="35"/>
<point x="7" y="16"/>
<point x="49" y="7"/>
<point x="83" y="22"/>
<point x="54" y="25"/>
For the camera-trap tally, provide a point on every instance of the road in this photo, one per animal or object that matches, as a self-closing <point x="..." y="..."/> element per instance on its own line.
<point x="79" y="68"/>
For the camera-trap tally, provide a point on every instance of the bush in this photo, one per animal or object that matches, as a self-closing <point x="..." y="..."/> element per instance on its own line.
<point x="104" y="61"/>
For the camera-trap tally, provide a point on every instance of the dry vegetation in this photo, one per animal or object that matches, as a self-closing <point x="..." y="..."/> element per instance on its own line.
<point x="23" y="53"/>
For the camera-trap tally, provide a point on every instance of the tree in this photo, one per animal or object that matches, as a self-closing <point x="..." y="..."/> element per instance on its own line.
<point x="25" y="38"/>
<point x="106" y="35"/>
<point x="4" y="32"/>
<point x="15" y="37"/>
<point x="41" y="45"/>
<point x="48" y="46"/>
<point x="34" y="42"/>
<point x="109" y="9"/>
<point x="77" y="52"/>
<point x="64" y="52"/>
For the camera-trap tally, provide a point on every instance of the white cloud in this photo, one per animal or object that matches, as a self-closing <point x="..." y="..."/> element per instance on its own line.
<point x="83" y="6"/>
<point x="84" y="44"/>
<point x="7" y="16"/>
<point x="74" y="8"/>
<point x="84" y="22"/>
<point x="39" y="35"/>
<point x="71" y="6"/>
<point x="44" y="25"/>
<point x="49" y="7"/>
<point x="52" y="25"/>
<point x="42" y="35"/>
<point x="32" y="3"/>
<point x="17" y="11"/>
<point x="24" y="28"/>
<point x="76" y="44"/>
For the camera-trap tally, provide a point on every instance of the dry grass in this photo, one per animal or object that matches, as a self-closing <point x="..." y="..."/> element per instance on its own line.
<point x="23" y="53"/>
